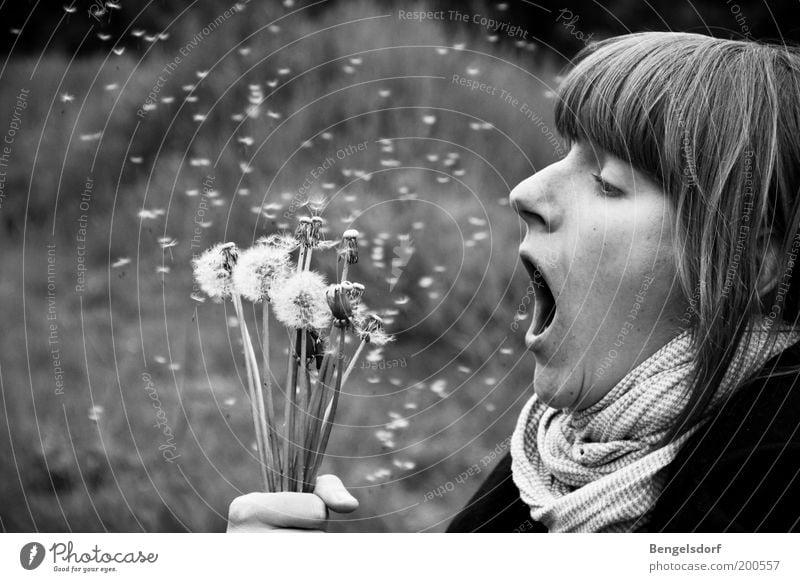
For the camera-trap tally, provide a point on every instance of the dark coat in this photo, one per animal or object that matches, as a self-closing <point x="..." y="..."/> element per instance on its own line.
<point x="739" y="473"/>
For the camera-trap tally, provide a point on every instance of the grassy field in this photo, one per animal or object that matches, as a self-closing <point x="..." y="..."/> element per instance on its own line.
<point x="106" y="201"/>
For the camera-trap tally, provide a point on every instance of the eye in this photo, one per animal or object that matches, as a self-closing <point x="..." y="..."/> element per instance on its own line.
<point x="608" y="190"/>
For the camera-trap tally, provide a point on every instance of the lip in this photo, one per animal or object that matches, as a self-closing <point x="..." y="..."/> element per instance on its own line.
<point x="535" y="270"/>
<point x="534" y="341"/>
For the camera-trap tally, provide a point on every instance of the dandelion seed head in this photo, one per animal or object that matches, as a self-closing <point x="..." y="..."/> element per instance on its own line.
<point x="258" y="269"/>
<point x="299" y="301"/>
<point x="212" y="270"/>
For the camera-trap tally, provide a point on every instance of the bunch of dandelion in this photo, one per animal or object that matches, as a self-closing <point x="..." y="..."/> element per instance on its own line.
<point x="317" y="317"/>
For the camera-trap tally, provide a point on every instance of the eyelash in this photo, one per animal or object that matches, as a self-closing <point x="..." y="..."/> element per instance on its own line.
<point x="608" y="190"/>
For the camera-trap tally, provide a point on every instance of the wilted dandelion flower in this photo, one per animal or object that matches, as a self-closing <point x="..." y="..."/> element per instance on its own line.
<point x="371" y="329"/>
<point x="213" y="268"/>
<point x="303" y="231"/>
<point x="350" y="246"/>
<point x="316" y="226"/>
<point x="300" y="301"/>
<point x="354" y="293"/>
<point x="257" y="270"/>
<point x="339" y="301"/>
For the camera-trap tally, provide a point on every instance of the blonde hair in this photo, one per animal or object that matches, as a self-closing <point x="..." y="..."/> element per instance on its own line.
<point x="717" y="123"/>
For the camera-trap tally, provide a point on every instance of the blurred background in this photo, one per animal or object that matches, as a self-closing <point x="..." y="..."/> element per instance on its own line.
<point x="136" y="134"/>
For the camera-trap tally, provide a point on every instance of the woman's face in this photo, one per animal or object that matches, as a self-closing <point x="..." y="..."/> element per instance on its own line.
<point x="599" y="235"/>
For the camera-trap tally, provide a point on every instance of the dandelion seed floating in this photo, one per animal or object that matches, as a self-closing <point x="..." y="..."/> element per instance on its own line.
<point x="96" y="412"/>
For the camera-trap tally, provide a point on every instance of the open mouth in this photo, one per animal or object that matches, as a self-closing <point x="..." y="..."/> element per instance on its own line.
<point x="544" y="308"/>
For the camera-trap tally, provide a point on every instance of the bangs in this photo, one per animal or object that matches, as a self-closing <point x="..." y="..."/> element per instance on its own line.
<point x="621" y="93"/>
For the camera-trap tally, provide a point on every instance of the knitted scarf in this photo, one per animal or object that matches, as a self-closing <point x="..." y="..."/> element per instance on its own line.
<point x="599" y="469"/>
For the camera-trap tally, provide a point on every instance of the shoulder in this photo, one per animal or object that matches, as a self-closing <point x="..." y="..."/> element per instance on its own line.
<point x="741" y="471"/>
<point x="496" y="506"/>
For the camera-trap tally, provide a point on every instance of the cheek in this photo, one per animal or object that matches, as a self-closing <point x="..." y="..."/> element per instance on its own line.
<point x="626" y="269"/>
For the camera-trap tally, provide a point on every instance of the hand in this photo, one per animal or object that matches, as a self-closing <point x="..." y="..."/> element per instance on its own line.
<point x="290" y="512"/>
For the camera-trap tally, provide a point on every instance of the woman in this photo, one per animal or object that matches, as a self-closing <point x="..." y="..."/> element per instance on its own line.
<point x="662" y="249"/>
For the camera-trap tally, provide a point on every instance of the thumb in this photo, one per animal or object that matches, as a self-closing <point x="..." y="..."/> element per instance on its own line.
<point x="333" y="493"/>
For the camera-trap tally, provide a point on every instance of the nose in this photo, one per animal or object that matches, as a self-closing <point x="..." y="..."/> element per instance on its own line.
<point x="536" y="200"/>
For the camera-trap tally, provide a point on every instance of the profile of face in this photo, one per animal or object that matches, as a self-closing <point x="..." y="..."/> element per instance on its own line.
<point x="599" y="251"/>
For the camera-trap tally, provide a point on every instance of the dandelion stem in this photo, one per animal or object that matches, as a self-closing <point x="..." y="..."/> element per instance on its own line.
<point x="237" y="306"/>
<point x="272" y="440"/>
<point x="318" y="405"/>
<point x="353" y="361"/>
<point x="263" y="424"/>
<point x="301" y="398"/>
<point x="301" y="258"/>
<point x="290" y="411"/>
<point x="329" y="414"/>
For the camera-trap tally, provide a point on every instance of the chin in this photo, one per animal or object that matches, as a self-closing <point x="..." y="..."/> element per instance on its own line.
<point x="554" y="390"/>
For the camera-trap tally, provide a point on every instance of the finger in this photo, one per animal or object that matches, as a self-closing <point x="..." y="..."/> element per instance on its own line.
<point x="260" y="528"/>
<point x="331" y="490"/>
<point x="280" y="510"/>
